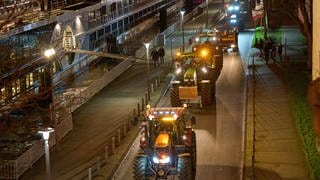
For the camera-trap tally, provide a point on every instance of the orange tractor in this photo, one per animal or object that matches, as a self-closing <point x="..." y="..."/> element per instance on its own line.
<point x="168" y="145"/>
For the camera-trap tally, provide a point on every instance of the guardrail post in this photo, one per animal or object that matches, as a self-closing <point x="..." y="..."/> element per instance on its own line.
<point x="149" y="96"/>
<point x="106" y="155"/>
<point x="89" y="174"/>
<point x="119" y="136"/>
<point x="113" y="145"/>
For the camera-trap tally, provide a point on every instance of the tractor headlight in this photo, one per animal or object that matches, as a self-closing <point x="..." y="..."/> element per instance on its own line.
<point x="155" y="160"/>
<point x="197" y="39"/>
<point x="143" y="139"/>
<point x="164" y="159"/>
<point x="204" y="52"/>
<point x="233" y="21"/>
<point x="230" y="8"/>
<point x="236" y="8"/>
<point x="233" y="16"/>
<point x="178" y="71"/>
<point x="184" y="137"/>
<point x="233" y="46"/>
<point x="204" y="70"/>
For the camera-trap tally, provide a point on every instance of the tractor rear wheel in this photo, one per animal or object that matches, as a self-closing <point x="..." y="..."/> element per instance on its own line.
<point x="194" y="154"/>
<point x="174" y="96"/>
<point x="140" y="165"/>
<point x="185" y="168"/>
<point x="206" y="98"/>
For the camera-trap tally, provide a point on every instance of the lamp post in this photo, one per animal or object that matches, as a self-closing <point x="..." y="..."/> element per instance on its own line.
<point x="45" y="135"/>
<point x="147" y="45"/>
<point x="182" y="13"/>
<point x="49" y="53"/>
<point x="207" y="23"/>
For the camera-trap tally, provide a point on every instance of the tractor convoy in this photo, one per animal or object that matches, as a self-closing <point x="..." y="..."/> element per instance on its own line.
<point x="167" y="140"/>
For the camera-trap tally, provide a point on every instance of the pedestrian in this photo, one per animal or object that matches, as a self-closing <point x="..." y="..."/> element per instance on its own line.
<point x="161" y="53"/>
<point x="154" y="57"/>
<point x="260" y="47"/>
<point x="280" y="51"/>
<point x="266" y="51"/>
<point x="273" y="53"/>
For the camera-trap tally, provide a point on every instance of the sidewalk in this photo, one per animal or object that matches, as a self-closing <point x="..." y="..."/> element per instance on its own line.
<point x="278" y="151"/>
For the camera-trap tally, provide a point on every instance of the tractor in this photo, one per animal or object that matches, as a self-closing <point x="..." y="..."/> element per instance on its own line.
<point x="167" y="145"/>
<point x="196" y="73"/>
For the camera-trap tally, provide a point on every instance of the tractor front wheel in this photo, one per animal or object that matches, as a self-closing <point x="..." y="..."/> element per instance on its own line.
<point x="140" y="165"/>
<point x="185" y="168"/>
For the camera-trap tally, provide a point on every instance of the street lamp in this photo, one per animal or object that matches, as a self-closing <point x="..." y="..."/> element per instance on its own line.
<point x="147" y="45"/>
<point x="45" y="135"/>
<point x="182" y="13"/>
<point x="49" y="52"/>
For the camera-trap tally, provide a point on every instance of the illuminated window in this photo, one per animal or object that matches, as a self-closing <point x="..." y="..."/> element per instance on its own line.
<point x="3" y="94"/>
<point x="18" y="86"/>
<point x="13" y="88"/>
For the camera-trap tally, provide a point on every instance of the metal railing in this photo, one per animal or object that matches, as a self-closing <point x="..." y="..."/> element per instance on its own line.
<point x="64" y="105"/>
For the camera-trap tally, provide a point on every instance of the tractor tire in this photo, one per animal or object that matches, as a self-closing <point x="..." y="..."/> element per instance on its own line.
<point x="213" y="90"/>
<point x="174" y="96"/>
<point x="185" y="168"/>
<point x="194" y="154"/>
<point x="206" y="98"/>
<point x="140" y="165"/>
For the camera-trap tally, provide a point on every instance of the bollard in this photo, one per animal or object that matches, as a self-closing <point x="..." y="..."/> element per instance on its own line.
<point x="138" y="108"/>
<point x="152" y="88"/>
<point x="89" y="174"/>
<point x="98" y="164"/>
<point x="146" y="96"/>
<point x="119" y="136"/>
<point x="155" y="84"/>
<point x="106" y="153"/>
<point x="134" y="112"/>
<point x="113" y="145"/>
<point x="142" y="104"/>
<point x="125" y="129"/>
<point x="129" y="122"/>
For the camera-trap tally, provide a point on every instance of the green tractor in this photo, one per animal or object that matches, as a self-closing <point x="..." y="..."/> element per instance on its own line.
<point x="168" y="145"/>
<point x="195" y="75"/>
